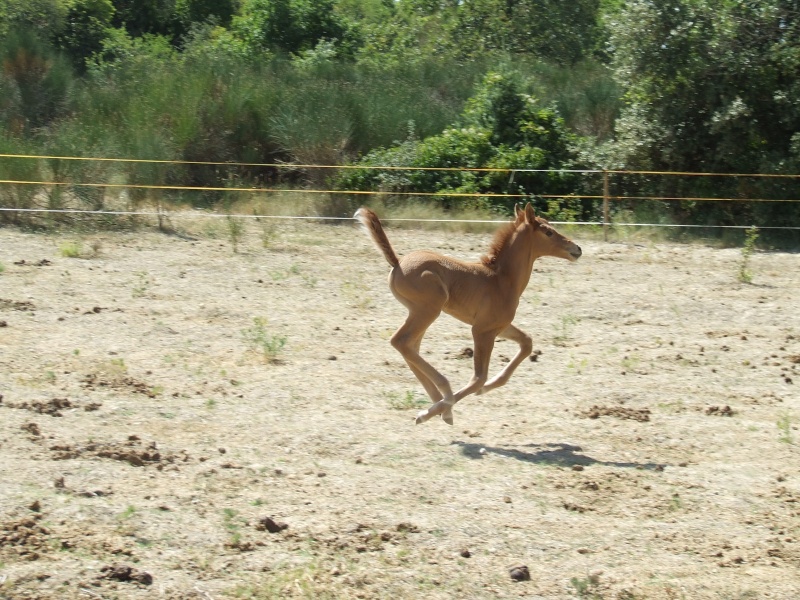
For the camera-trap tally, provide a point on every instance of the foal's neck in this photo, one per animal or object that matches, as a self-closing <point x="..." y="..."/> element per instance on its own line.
<point x="515" y="261"/>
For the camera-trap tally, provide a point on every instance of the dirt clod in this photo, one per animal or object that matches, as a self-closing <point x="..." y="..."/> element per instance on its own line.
<point x="94" y="381"/>
<point x="20" y="305"/>
<point x="125" y="574"/>
<point x="720" y="411"/>
<point x="520" y="573"/>
<point x="31" y="428"/>
<point x="39" y="263"/>
<point x="25" y="537"/>
<point x="134" y="452"/>
<point x="620" y="412"/>
<point x="52" y="407"/>
<point x="270" y="525"/>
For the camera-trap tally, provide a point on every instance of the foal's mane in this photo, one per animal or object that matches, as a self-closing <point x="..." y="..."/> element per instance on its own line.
<point x="500" y="241"/>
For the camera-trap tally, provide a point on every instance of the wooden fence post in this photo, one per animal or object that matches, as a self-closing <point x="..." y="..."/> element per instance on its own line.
<point x="605" y="205"/>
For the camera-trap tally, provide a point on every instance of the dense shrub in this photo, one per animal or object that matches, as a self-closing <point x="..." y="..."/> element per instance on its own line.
<point x="514" y="145"/>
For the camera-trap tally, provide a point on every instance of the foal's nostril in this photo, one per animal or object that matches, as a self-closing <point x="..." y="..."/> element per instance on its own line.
<point x="578" y="252"/>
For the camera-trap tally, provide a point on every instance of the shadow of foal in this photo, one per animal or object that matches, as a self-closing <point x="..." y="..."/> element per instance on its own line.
<point x="482" y="294"/>
<point x="561" y="455"/>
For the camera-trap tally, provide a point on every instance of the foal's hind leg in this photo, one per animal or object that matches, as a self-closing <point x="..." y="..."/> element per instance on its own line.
<point x="525" y="348"/>
<point x="439" y="406"/>
<point x="407" y="340"/>
<point x="430" y="387"/>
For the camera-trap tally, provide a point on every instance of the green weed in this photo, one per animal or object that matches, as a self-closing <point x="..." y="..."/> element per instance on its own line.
<point x="751" y="237"/>
<point x="564" y="331"/>
<point x="235" y="230"/>
<point x="629" y="363"/>
<point x="576" y="366"/>
<point x="70" y="249"/>
<point x="356" y="293"/>
<point x="232" y="524"/>
<point x="281" y="275"/>
<point x="262" y="341"/>
<point x="784" y="424"/>
<point x="269" y="232"/>
<point x="303" y="582"/>
<point x="405" y="402"/>
<point x="142" y="284"/>
<point x="129" y="511"/>
<point x="587" y="588"/>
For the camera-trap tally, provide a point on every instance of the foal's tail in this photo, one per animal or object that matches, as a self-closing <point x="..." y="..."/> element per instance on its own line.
<point x="370" y="221"/>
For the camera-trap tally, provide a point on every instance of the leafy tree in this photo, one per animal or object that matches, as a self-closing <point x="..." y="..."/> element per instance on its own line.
<point x="86" y="26"/>
<point x="370" y="11"/>
<point x="562" y="32"/>
<point x="712" y="86"/>
<point x="200" y="11"/>
<point x="44" y="17"/>
<point x="139" y="17"/>
<point x="714" y="80"/>
<point x="404" y="39"/>
<point x="289" y="26"/>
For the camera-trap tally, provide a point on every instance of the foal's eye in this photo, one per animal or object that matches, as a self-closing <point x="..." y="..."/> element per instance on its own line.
<point x="549" y="232"/>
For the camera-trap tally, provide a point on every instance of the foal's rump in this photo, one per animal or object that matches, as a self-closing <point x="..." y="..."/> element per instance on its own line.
<point x="417" y="282"/>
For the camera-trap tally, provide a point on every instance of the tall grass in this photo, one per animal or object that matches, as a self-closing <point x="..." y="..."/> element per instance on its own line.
<point x="20" y="196"/>
<point x="586" y="94"/>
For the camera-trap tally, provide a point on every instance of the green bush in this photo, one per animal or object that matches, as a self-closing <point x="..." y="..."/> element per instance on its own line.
<point x="501" y="127"/>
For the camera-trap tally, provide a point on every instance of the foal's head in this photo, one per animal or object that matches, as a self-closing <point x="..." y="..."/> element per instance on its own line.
<point x="546" y="240"/>
<point x="532" y="235"/>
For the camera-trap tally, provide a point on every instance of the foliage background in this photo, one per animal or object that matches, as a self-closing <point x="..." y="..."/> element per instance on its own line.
<point x="678" y="85"/>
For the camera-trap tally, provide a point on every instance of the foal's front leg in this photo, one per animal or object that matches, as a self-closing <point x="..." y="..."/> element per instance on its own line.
<point x="525" y="349"/>
<point x="484" y="343"/>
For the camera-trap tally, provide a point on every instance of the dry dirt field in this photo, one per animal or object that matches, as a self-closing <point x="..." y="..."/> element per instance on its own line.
<point x="182" y="422"/>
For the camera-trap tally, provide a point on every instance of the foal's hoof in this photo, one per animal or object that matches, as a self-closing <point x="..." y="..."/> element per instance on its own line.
<point x="439" y="408"/>
<point x="447" y="416"/>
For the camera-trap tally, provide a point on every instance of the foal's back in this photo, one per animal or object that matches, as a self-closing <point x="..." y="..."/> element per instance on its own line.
<point x="465" y="290"/>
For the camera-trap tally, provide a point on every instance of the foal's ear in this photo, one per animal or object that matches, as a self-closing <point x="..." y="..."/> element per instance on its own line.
<point x="530" y="215"/>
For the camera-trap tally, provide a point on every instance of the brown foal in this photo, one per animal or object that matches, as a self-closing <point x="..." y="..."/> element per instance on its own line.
<point x="482" y="294"/>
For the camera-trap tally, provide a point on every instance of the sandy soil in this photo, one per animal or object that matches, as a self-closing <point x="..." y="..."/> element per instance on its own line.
<point x="180" y="421"/>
